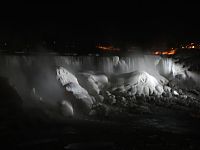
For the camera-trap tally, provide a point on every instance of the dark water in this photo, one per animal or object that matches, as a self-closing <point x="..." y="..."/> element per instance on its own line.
<point x="87" y="134"/>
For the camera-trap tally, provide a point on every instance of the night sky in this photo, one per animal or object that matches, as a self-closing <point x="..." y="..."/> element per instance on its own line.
<point x="137" y="24"/>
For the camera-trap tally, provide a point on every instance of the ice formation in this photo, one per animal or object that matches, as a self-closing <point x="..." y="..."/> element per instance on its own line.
<point x="137" y="82"/>
<point x="71" y="84"/>
<point x="84" y="77"/>
<point x="168" y="68"/>
<point x="93" y="83"/>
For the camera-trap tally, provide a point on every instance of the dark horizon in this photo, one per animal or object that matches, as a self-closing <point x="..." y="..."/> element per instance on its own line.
<point x="66" y="25"/>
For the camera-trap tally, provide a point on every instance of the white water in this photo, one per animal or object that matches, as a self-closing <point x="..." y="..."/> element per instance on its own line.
<point x="34" y="77"/>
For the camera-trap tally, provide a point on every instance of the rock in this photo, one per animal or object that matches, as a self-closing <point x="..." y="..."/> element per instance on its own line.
<point x="139" y="90"/>
<point x="170" y="95"/>
<point x="123" y="99"/>
<point x="92" y="83"/>
<point x="175" y="93"/>
<point x="159" y="89"/>
<point x="184" y="96"/>
<point x="112" y="96"/>
<point x="129" y="93"/>
<point x="101" y="98"/>
<point x="151" y="91"/>
<point x="133" y="90"/>
<point x="146" y="91"/>
<point x="137" y="82"/>
<point x="164" y="94"/>
<point x="167" y="88"/>
<point x="72" y="87"/>
<point x="114" y="101"/>
<point x="180" y="91"/>
<point x="108" y="93"/>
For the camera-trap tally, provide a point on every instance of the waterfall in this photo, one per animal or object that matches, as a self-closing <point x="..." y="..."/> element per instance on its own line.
<point x="37" y="74"/>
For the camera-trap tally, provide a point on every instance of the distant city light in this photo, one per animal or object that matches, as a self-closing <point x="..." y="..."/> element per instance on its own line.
<point x="108" y="48"/>
<point x="172" y="51"/>
<point x="191" y="46"/>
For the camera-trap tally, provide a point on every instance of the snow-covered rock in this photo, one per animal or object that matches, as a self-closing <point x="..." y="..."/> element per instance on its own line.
<point x="70" y="82"/>
<point x="65" y="77"/>
<point x="167" y="88"/>
<point x="92" y="83"/>
<point x="138" y="82"/>
<point x="175" y="93"/>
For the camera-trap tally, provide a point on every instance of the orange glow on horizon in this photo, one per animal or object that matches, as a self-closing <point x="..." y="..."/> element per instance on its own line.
<point x="108" y="48"/>
<point x="169" y="52"/>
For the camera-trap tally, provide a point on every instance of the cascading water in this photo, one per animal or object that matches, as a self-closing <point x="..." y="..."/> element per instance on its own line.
<point x="34" y="77"/>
